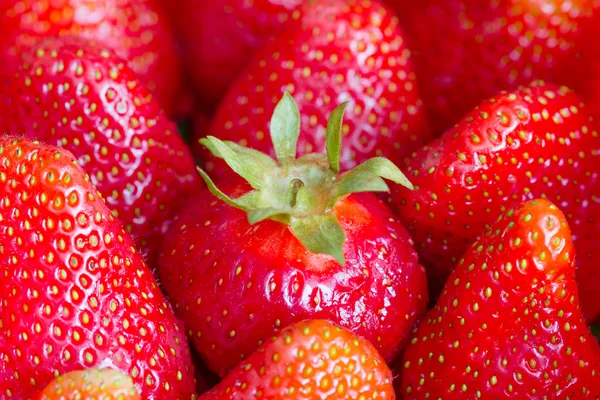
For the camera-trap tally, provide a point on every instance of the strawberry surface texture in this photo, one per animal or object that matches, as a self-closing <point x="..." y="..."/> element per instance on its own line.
<point x="79" y="96"/>
<point x="75" y="292"/>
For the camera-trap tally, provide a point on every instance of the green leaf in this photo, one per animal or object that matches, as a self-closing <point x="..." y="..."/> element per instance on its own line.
<point x="219" y="194"/>
<point x="320" y="234"/>
<point x="382" y="167"/>
<point x="334" y="137"/>
<point x="260" y="214"/>
<point x="285" y="129"/>
<point x="250" y="164"/>
<point x="360" y="181"/>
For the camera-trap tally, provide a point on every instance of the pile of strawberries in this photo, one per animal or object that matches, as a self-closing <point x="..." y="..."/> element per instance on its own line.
<point x="299" y="199"/>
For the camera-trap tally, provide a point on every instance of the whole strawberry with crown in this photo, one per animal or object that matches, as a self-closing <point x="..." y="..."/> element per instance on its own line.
<point x="300" y="243"/>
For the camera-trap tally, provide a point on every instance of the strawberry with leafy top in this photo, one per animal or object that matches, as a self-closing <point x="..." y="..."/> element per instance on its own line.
<point x="82" y="97"/>
<point x="310" y="359"/>
<point x="535" y="142"/>
<point x="299" y="243"/>
<point x="136" y="30"/>
<point x="92" y="384"/>
<point x="338" y="51"/>
<point x="465" y="51"/>
<point x="220" y="37"/>
<point x="508" y="324"/>
<point x="75" y="292"/>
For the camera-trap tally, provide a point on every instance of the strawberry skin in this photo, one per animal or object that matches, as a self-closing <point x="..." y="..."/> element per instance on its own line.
<point x="75" y="293"/>
<point x="368" y="64"/>
<point x="234" y="284"/>
<point x="92" y="384"/>
<point x="535" y="142"/>
<point x="82" y="97"/>
<point x="468" y="50"/>
<point x="136" y="30"/>
<point x="220" y="37"/>
<point x="508" y="324"/>
<point x="311" y="359"/>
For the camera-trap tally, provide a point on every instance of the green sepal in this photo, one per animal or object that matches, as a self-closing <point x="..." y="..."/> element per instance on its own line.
<point x="333" y="138"/>
<point x="219" y="194"/>
<point x="250" y="164"/>
<point x="360" y="182"/>
<point x="285" y="129"/>
<point x="260" y="214"/>
<point x="363" y="175"/>
<point x="320" y="233"/>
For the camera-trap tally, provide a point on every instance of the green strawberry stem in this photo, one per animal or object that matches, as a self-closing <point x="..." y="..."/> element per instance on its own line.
<point x="300" y="192"/>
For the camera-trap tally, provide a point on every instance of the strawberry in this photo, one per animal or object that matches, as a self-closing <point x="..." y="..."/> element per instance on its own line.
<point x="136" y="30"/>
<point x="92" y="384"/>
<point x="468" y="50"/>
<point x="338" y="51"/>
<point x="508" y="324"/>
<point x="220" y="37"/>
<point x="82" y="97"/>
<point x="310" y="359"/>
<point x="301" y="243"/>
<point x="75" y="293"/>
<point x="535" y="142"/>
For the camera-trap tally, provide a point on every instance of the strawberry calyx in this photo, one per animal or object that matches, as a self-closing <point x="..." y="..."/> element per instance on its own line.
<point x="300" y="192"/>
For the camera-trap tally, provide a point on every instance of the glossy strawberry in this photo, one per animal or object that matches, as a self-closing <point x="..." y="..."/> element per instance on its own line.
<point x="136" y="30"/>
<point x="81" y="97"/>
<point x="508" y="324"/>
<point x="338" y="51"/>
<point x="92" y="384"/>
<point x="220" y="37"/>
<point x="311" y="359"/>
<point x="302" y="244"/>
<point x="535" y="142"/>
<point x="465" y="51"/>
<point x="75" y="293"/>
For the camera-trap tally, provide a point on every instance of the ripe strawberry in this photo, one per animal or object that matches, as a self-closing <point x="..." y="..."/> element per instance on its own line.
<point x="338" y="51"/>
<point x="220" y="37"/>
<point x="136" y="30"/>
<point x="75" y="293"/>
<point x="508" y="324"/>
<point x="68" y="93"/>
<point x="311" y="359"/>
<point x="468" y="50"/>
<point x="302" y="245"/>
<point x="92" y="384"/>
<point x="535" y="142"/>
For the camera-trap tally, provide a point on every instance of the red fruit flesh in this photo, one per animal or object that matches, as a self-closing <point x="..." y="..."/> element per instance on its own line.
<point x="220" y="37"/>
<point x="338" y="51"/>
<point x="136" y="30"/>
<point x="83" y="98"/>
<point x="508" y="324"/>
<point x="309" y="360"/>
<point x="468" y="50"/>
<point x="234" y="284"/>
<point x="90" y="384"/>
<point x="75" y="293"/>
<point x="536" y="142"/>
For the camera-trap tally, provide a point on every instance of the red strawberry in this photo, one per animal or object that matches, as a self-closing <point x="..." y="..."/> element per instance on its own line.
<point x="508" y="324"/>
<point x="468" y="50"/>
<point x="81" y="97"/>
<point x="339" y="51"/>
<point x="301" y="245"/>
<point x="311" y="359"/>
<point x="137" y="30"/>
<point x="220" y="37"/>
<point x="75" y="293"/>
<point x="538" y="141"/>
<point x="92" y="384"/>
